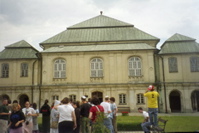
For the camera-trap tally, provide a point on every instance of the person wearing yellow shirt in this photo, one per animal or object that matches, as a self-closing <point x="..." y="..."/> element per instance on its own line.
<point x="152" y="97"/>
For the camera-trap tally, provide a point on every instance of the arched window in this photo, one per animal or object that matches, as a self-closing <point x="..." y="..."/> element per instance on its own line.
<point x="24" y="70"/>
<point x="194" y="63"/>
<point x="5" y="70"/>
<point x="173" y="64"/>
<point x="122" y="98"/>
<point x="60" y="68"/>
<point x="140" y="98"/>
<point x="96" y="67"/>
<point x="135" y="67"/>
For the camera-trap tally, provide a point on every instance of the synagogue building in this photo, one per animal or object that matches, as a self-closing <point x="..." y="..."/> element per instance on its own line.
<point x="103" y="56"/>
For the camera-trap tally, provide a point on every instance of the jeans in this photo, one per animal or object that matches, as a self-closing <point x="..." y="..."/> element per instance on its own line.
<point x="145" y="126"/>
<point x="153" y="116"/>
<point x="108" y="124"/>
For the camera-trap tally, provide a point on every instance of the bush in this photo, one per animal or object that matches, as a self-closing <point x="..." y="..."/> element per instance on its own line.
<point x="126" y="123"/>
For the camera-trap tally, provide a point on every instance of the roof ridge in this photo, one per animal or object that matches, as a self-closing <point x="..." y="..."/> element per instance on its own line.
<point x="100" y="21"/>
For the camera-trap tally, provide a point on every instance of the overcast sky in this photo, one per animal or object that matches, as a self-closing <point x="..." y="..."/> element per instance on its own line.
<point x="37" y="20"/>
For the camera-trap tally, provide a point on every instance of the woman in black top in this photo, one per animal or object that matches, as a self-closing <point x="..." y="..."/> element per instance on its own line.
<point x="16" y="119"/>
<point x="77" y="114"/>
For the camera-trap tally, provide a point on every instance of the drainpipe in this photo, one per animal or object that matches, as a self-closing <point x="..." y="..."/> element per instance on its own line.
<point x="40" y="76"/>
<point x="163" y="77"/>
<point x="33" y="74"/>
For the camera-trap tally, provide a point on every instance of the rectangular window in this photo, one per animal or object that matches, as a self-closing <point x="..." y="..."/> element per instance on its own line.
<point x="5" y="70"/>
<point x="173" y="65"/>
<point x="55" y="97"/>
<point x="73" y="97"/>
<point x="194" y="62"/>
<point x="140" y="99"/>
<point x="24" y="70"/>
<point x="122" y="98"/>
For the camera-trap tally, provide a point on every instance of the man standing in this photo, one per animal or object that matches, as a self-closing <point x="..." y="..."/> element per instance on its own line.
<point x="146" y="122"/>
<point x="152" y="97"/>
<point x="84" y="113"/>
<point x="107" y="111"/>
<point x="4" y="116"/>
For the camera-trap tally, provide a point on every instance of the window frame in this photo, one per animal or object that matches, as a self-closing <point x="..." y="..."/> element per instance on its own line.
<point x="24" y="71"/>
<point x="96" y="72"/>
<point x="73" y="97"/>
<point x="194" y="67"/>
<point x="122" y="99"/>
<point x="135" y="66"/>
<point x="59" y="68"/>
<point x="173" y="64"/>
<point x="55" y="97"/>
<point x="140" y="98"/>
<point x="4" y="72"/>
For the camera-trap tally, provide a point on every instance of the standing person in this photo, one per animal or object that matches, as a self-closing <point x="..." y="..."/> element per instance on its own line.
<point x="54" y="117"/>
<point x="16" y="119"/>
<point x="94" y="112"/>
<point x="28" y="112"/>
<point x="35" y="123"/>
<point x="45" y="110"/>
<point x="152" y="97"/>
<point x="67" y="118"/>
<point x="84" y="113"/>
<point x="146" y="122"/>
<point x="114" y="113"/>
<point x="4" y="116"/>
<point x="107" y="111"/>
<point x="77" y="114"/>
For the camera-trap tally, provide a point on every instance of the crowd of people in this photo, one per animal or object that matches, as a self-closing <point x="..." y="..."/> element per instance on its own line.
<point x="67" y="116"/>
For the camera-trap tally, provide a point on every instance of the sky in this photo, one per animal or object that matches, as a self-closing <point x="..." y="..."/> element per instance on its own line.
<point x="37" y="20"/>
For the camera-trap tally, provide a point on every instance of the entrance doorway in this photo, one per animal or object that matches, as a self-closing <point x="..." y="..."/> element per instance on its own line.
<point x="195" y="100"/>
<point x="99" y="95"/>
<point x="175" y="102"/>
<point x="22" y="99"/>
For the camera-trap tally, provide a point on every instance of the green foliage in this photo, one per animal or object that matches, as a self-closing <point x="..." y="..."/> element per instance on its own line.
<point x="174" y="124"/>
<point x="99" y="127"/>
<point x="129" y="123"/>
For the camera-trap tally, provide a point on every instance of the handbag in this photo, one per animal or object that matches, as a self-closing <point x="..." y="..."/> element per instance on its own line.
<point x="54" y="124"/>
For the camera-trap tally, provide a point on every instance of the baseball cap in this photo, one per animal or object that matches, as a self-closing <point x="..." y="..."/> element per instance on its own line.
<point x="151" y="87"/>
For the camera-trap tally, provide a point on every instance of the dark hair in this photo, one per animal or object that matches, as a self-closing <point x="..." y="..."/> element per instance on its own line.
<point x="76" y="103"/>
<point x="112" y="99"/>
<point x="140" y="108"/>
<point x="46" y="101"/>
<point x="34" y="105"/>
<point x="65" y="100"/>
<point x="95" y="100"/>
<point x="15" y="101"/>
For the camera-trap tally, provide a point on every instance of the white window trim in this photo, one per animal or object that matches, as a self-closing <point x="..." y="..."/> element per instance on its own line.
<point x="61" y="66"/>
<point x="135" y="67"/>
<point x="99" y="72"/>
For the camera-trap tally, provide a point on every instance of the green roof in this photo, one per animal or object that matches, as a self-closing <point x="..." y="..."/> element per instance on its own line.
<point x="178" y="37"/>
<point x="179" y="44"/>
<point x="109" y="47"/>
<point x="19" y="50"/>
<point x="100" y="29"/>
<point x="100" y="21"/>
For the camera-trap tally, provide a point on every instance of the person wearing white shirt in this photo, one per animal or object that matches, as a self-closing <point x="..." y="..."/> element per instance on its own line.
<point x="29" y="113"/>
<point x="67" y="118"/>
<point x="108" y="116"/>
<point x="146" y="122"/>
